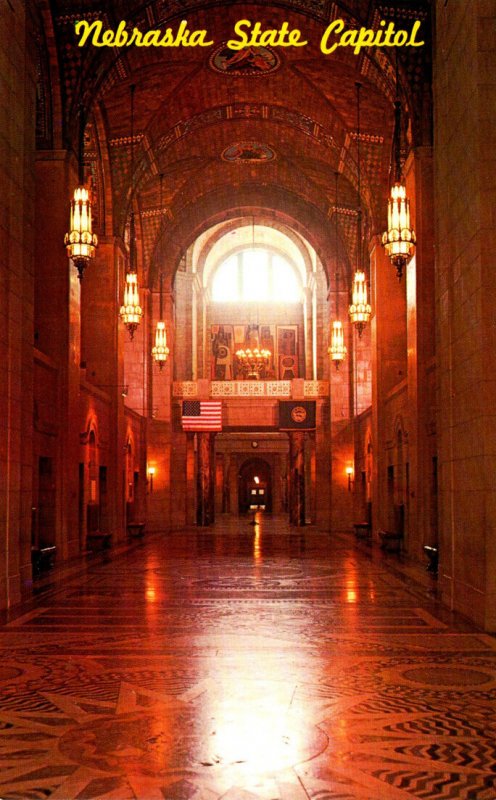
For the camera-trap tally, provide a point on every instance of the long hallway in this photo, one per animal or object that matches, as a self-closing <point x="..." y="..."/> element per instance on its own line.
<point x="243" y="662"/>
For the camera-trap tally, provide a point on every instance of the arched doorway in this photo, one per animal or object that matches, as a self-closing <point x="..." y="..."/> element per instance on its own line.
<point x="255" y="486"/>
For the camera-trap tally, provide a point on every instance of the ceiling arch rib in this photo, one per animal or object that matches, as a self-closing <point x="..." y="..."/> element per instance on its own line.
<point x="188" y="113"/>
<point x="311" y="178"/>
<point x="294" y="242"/>
<point x="309" y="156"/>
<point x="270" y="205"/>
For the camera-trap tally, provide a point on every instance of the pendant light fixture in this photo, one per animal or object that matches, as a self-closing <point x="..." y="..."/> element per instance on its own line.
<point x="160" y="351"/>
<point x="253" y="360"/>
<point x="131" y="311"/>
<point x="359" y="309"/>
<point x="399" y="240"/>
<point x="81" y="242"/>
<point x="337" y="350"/>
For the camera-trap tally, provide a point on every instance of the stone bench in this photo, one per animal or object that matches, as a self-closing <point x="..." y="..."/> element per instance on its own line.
<point x="136" y="528"/>
<point x="363" y="530"/>
<point x="432" y="554"/>
<point x="42" y="557"/>
<point x="390" y="540"/>
<point x="98" y="540"/>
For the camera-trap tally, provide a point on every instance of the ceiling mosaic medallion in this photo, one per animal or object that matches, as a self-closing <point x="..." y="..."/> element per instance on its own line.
<point x="247" y="61"/>
<point x="249" y="152"/>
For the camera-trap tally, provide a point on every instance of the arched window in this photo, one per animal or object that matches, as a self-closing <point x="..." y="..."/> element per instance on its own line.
<point x="256" y="275"/>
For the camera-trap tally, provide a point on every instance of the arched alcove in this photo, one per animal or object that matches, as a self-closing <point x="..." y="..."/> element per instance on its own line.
<point x="248" y="282"/>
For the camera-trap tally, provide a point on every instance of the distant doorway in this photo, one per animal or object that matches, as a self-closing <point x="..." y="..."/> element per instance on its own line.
<point x="255" y="486"/>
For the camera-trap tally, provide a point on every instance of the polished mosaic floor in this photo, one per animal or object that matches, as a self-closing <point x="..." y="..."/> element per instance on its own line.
<point x="247" y="662"/>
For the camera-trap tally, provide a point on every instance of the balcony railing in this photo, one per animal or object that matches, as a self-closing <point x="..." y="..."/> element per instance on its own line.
<point x="295" y="388"/>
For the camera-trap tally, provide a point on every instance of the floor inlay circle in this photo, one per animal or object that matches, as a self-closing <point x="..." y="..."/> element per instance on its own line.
<point x="447" y="676"/>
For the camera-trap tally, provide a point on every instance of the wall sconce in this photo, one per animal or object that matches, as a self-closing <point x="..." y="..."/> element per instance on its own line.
<point x="151" y="473"/>
<point x="256" y="479"/>
<point x="350" y="473"/>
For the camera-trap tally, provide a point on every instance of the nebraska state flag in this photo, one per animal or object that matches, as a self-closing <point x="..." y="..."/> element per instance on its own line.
<point x="296" y="415"/>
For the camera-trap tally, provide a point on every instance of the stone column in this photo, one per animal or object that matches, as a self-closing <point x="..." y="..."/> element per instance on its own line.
<point x="166" y="446"/>
<point x="57" y="326"/>
<point x="233" y="485"/>
<point x="276" y="485"/>
<point x="388" y="338"/>
<point x="284" y="484"/>
<point x="311" y="467"/>
<point x="17" y="228"/>
<point x="185" y="350"/>
<point x="102" y="345"/>
<point x="226" y="489"/>
<point x="421" y="335"/>
<point x="205" y="511"/>
<point x="196" y="290"/>
<point x="297" y="478"/>
<point x="162" y="380"/>
<point x="308" y="332"/>
<point x="205" y="372"/>
<point x="315" y="326"/>
<point x="190" y="480"/>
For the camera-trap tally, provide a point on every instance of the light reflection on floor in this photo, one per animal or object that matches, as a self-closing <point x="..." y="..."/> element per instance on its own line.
<point x="249" y="661"/>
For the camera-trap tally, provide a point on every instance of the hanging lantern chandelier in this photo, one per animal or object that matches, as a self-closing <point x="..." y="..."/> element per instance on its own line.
<point x="337" y="350"/>
<point x="160" y="351"/>
<point x="81" y="242"/>
<point x="131" y="311"/>
<point x="399" y="240"/>
<point x="253" y="361"/>
<point x="359" y="310"/>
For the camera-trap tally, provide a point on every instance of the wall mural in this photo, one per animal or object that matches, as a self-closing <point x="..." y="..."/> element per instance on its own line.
<point x="287" y="352"/>
<point x="248" y="151"/>
<point x="222" y="353"/>
<point x="281" y="340"/>
<point x="247" y="61"/>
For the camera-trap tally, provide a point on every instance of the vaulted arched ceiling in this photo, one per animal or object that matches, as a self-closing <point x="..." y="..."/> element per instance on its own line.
<point x="275" y="130"/>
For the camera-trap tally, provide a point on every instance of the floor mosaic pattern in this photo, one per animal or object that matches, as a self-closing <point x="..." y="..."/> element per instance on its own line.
<point x="243" y="663"/>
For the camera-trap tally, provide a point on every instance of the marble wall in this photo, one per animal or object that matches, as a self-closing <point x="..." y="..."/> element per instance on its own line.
<point x="465" y="194"/>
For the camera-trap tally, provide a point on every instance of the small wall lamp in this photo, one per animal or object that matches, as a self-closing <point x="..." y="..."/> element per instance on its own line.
<point x="350" y="472"/>
<point x="151" y="473"/>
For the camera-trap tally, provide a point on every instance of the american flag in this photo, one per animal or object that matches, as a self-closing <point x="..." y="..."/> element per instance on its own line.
<point x="202" y="415"/>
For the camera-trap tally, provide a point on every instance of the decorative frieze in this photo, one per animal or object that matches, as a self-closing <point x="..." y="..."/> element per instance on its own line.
<point x="250" y="389"/>
<point x="223" y="388"/>
<point x="185" y="389"/>
<point x="316" y="389"/>
<point x="278" y="388"/>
